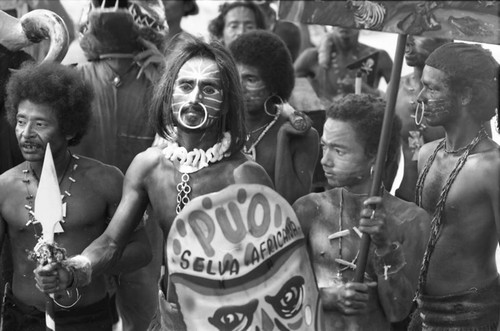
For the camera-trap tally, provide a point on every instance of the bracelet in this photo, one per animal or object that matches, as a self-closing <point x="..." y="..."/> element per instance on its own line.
<point x="78" y="297"/>
<point x="79" y="266"/>
<point x="391" y="262"/>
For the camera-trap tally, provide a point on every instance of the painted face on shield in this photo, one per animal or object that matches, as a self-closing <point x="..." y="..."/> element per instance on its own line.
<point x="197" y="97"/>
<point x="238" y="261"/>
<point x="436" y="98"/>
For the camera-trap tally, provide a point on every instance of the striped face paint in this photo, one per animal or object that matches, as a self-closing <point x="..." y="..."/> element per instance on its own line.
<point x="255" y="91"/>
<point x="197" y="98"/>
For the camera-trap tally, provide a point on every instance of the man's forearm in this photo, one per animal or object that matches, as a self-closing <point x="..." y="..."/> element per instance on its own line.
<point x="96" y="259"/>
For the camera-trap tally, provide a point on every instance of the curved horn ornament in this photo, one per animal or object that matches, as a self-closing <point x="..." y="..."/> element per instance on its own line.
<point x="32" y="28"/>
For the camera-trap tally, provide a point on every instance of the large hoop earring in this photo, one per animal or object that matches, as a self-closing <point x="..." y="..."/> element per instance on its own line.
<point x="372" y="171"/>
<point x="277" y="108"/>
<point x="419" y="119"/>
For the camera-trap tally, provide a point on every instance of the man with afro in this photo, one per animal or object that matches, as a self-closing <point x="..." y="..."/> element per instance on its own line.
<point x="287" y="153"/>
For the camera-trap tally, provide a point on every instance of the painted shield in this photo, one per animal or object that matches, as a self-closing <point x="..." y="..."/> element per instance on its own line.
<point x="238" y="261"/>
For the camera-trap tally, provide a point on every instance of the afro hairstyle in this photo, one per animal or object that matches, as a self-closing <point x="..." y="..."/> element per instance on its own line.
<point x="268" y="53"/>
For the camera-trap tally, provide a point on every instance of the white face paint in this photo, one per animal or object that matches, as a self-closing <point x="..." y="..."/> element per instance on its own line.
<point x="197" y="98"/>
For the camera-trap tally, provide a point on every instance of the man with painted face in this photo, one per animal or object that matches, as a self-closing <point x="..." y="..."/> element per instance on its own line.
<point x="198" y="109"/>
<point x="459" y="286"/>
<point x="287" y="153"/>
<point x="334" y="220"/>
<point x="414" y="130"/>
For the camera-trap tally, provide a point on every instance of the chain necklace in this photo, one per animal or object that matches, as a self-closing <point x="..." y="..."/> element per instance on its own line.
<point x="249" y="134"/>
<point x="251" y="151"/>
<point x="67" y="193"/>
<point x="481" y="134"/>
<point x="437" y="216"/>
<point x="192" y="161"/>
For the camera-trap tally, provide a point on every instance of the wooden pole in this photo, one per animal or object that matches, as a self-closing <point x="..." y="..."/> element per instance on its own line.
<point x="383" y="146"/>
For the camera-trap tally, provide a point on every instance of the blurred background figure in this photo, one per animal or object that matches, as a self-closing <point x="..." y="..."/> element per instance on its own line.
<point x="234" y="19"/>
<point x="326" y="65"/>
<point x="413" y="135"/>
<point x="175" y="11"/>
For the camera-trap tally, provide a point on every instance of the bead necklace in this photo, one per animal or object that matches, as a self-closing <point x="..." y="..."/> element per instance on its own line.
<point x="192" y="161"/>
<point x="481" y="134"/>
<point x="249" y="134"/>
<point x="67" y="193"/>
<point x="251" y="151"/>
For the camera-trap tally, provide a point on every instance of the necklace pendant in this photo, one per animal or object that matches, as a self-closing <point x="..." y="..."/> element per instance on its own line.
<point x="117" y="82"/>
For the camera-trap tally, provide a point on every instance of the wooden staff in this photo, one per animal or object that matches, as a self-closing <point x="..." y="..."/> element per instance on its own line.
<point x="383" y="146"/>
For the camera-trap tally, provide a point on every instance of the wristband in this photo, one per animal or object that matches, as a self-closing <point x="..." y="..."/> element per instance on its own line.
<point x="79" y="266"/>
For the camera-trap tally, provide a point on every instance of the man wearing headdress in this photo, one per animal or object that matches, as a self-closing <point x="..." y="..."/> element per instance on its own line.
<point x="459" y="286"/>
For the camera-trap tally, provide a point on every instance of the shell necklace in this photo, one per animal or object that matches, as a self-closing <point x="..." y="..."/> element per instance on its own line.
<point x="67" y="193"/>
<point x="193" y="161"/>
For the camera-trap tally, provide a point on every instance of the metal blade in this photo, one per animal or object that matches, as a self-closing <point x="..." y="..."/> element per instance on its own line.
<point x="48" y="205"/>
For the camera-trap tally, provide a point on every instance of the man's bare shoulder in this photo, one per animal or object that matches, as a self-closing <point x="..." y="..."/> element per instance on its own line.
<point x="97" y="171"/>
<point x="426" y="150"/>
<point x="487" y="161"/>
<point x="144" y="162"/>
<point x="313" y="203"/>
<point x="249" y="172"/>
<point x="306" y="61"/>
<point x="10" y="179"/>
<point x="405" y="211"/>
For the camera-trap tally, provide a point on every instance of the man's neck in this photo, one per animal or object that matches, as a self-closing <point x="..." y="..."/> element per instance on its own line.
<point x="417" y="73"/>
<point x="461" y="134"/>
<point x="61" y="162"/>
<point x="362" y="187"/>
<point x="255" y="121"/>
<point x="190" y="139"/>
